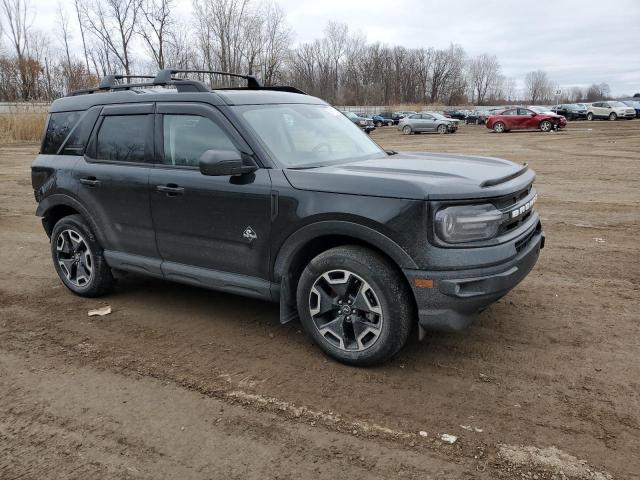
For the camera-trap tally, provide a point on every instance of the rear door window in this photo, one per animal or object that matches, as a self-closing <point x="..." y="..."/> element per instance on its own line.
<point x="124" y="138"/>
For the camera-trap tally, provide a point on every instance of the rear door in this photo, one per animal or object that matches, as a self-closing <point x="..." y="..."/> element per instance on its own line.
<point x="221" y="223"/>
<point x="113" y="178"/>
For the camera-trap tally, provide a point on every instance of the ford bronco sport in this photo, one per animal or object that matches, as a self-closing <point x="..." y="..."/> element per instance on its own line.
<point x="271" y="193"/>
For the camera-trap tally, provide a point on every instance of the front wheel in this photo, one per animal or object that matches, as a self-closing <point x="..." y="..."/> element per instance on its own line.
<point x="378" y="124"/>
<point x="78" y="258"/>
<point x="442" y="129"/>
<point x="406" y="130"/>
<point x="499" y="127"/>
<point x="355" y="305"/>
<point x="546" y="126"/>
<point x="590" y="116"/>
<point x="613" y="116"/>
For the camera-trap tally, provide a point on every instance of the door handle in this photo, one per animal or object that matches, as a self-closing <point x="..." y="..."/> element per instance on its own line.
<point x="170" y="189"/>
<point x="91" y="182"/>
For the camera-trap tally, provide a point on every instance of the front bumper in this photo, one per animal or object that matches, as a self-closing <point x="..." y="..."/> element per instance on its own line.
<point x="449" y="300"/>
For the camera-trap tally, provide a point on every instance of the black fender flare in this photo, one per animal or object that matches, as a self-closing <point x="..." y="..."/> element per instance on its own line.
<point x="57" y="199"/>
<point x="296" y="241"/>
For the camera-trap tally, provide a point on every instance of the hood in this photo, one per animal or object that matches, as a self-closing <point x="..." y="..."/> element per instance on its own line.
<point x="419" y="176"/>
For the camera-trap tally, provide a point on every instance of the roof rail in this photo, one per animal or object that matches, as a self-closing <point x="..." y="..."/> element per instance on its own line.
<point x="165" y="76"/>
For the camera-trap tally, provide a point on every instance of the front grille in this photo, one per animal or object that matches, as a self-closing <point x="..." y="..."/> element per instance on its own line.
<point x="510" y="203"/>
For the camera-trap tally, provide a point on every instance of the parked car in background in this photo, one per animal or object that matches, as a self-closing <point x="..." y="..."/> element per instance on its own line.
<point x="365" y="124"/>
<point x="541" y="109"/>
<point x="458" y="114"/>
<point x="571" y="111"/>
<point x="521" y="118"/>
<point x="477" y="117"/>
<point x="392" y="116"/>
<point x="380" y="121"/>
<point x="633" y="104"/>
<point x="427" y="122"/>
<point x="610" y="110"/>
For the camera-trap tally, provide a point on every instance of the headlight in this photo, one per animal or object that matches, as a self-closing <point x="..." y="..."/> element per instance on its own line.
<point x="362" y="122"/>
<point x="467" y="223"/>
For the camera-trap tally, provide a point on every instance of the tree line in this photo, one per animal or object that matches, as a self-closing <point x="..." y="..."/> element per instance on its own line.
<point x="251" y="37"/>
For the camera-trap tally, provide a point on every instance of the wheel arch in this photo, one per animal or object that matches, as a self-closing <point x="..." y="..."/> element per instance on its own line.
<point x="58" y="206"/>
<point x="311" y="240"/>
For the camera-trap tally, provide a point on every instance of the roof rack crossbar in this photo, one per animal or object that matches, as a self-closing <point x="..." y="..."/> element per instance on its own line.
<point x="164" y="76"/>
<point x="109" y="81"/>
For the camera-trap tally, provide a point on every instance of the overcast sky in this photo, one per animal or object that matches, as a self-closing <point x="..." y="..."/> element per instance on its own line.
<point x="576" y="42"/>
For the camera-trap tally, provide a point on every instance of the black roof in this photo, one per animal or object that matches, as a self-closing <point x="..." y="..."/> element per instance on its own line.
<point x="217" y="97"/>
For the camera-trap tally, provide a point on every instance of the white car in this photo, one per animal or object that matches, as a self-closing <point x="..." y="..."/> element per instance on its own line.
<point x="611" y="110"/>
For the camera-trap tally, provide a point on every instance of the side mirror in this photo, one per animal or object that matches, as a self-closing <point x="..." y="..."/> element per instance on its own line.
<point x="534" y="114"/>
<point x="218" y="163"/>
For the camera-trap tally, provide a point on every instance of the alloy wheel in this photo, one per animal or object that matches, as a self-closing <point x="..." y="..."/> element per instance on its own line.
<point x="345" y="310"/>
<point x="406" y="129"/>
<point x="545" y="126"/>
<point x="499" y="127"/>
<point x="74" y="257"/>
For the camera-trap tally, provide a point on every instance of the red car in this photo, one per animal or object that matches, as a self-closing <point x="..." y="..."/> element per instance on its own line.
<point x="521" y="118"/>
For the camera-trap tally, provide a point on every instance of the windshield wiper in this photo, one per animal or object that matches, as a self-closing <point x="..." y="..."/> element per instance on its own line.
<point x="305" y="168"/>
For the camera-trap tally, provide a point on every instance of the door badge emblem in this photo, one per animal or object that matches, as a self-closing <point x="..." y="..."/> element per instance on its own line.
<point x="249" y="234"/>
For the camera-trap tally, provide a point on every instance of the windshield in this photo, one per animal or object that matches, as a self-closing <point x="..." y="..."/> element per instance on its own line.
<point x="307" y="136"/>
<point x="617" y="104"/>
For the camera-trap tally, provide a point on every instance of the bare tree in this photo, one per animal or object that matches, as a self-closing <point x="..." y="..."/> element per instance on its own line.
<point x="113" y="23"/>
<point x="276" y="39"/>
<point x="156" y="28"/>
<point x="598" y="91"/>
<point x="484" y="72"/>
<point x="76" y="4"/>
<point x="537" y="86"/>
<point x="509" y="89"/>
<point x="18" y="31"/>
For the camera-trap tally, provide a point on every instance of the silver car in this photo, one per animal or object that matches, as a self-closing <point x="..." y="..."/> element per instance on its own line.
<point x="427" y="122"/>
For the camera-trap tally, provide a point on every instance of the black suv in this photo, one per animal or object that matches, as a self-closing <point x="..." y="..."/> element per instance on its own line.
<point x="271" y="193"/>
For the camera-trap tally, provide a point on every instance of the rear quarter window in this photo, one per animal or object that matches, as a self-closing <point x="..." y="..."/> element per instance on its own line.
<point x="59" y="126"/>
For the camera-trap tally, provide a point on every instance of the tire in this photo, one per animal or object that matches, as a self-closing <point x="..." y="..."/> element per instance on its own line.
<point x="442" y="129"/>
<point x="390" y="123"/>
<point x="343" y="330"/>
<point x="406" y="130"/>
<point x="613" y="116"/>
<point x="78" y="258"/>
<point x="590" y="116"/>
<point x="546" y="126"/>
<point x="499" y="127"/>
<point x="378" y="124"/>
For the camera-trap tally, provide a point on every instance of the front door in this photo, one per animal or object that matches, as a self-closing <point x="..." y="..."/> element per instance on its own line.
<point x="113" y="178"/>
<point x="429" y="123"/>
<point x="206" y="226"/>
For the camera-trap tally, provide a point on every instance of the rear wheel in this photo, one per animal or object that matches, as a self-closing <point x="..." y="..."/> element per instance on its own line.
<point x="499" y="127"/>
<point x="546" y="126"/>
<point x="78" y="258"/>
<point x="590" y="116"/>
<point x="355" y="306"/>
<point x="613" y="116"/>
<point x="406" y="130"/>
<point x="442" y="129"/>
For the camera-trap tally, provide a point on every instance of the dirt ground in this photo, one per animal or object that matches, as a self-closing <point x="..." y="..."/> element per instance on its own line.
<point x="180" y="382"/>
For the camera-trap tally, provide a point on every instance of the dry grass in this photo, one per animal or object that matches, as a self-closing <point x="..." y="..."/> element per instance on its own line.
<point x="21" y="127"/>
